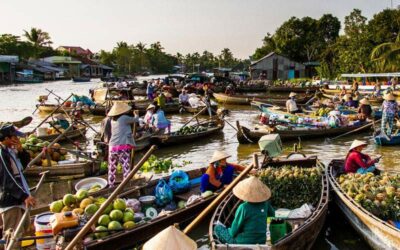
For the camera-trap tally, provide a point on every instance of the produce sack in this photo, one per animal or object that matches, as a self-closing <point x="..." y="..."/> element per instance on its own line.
<point x="179" y="182"/>
<point x="163" y="193"/>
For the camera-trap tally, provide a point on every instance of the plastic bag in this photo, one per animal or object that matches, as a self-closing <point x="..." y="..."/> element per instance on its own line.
<point x="179" y="182"/>
<point x="301" y="212"/>
<point x="163" y="193"/>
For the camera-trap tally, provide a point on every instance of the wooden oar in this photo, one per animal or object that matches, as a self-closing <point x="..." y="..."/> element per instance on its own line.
<point x="25" y="215"/>
<point x="184" y="125"/>
<point x="103" y="206"/>
<point x="52" y="112"/>
<point x="355" y="130"/>
<point x="217" y="200"/>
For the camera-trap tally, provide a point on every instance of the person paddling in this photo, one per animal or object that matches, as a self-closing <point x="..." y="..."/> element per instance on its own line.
<point x="364" y="110"/>
<point x="219" y="173"/>
<point x="250" y="223"/>
<point x="389" y="112"/>
<point x="356" y="161"/>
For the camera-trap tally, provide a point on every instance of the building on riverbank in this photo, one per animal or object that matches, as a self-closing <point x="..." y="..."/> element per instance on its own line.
<point x="71" y="65"/>
<point x="76" y="51"/>
<point x="274" y="66"/>
<point x="7" y="68"/>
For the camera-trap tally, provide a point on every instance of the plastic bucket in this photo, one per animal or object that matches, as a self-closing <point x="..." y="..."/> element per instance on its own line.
<point x="279" y="230"/>
<point x="41" y="132"/>
<point x="43" y="228"/>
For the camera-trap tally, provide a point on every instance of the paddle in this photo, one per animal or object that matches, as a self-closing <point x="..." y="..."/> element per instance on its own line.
<point x="355" y="130"/>
<point x="217" y="200"/>
<point x="201" y="111"/>
<point x="25" y="215"/>
<point x="114" y="194"/>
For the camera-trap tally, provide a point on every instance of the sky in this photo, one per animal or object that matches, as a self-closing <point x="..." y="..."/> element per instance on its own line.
<point x="184" y="26"/>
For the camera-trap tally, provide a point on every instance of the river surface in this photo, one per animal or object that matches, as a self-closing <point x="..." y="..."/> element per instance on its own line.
<point x="18" y="101"/>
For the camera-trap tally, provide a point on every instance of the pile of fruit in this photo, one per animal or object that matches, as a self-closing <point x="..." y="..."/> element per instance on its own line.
<point x="291" y="187"/>
<point x="321" y="112"/>
<point x="94" y="188"/>
<point x="379" y="194"/>
<point x="187" y="130"/>
<point x="116" y="216"/>
<point x="156" y="165"/>
<point x="34" y="145"/>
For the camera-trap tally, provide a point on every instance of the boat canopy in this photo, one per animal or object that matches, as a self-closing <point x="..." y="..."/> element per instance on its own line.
<point x="395" y="74"/>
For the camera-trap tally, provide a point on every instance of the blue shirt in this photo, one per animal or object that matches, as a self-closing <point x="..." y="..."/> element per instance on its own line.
<point x="225" y="178"/>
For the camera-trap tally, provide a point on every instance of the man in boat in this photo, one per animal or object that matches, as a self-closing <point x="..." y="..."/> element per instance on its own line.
<point x="14" y="190"/>
<point x="389" y="112"/>
<point x="291" y="105"/>
<point x="229" y="90"/>
<point x="160" y="100"/>
<point x="219" y="173"/>
<point x="250" y="223"/>
<point x="356" y="161"/>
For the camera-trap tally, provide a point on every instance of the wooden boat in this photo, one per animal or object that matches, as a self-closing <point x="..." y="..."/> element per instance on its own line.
<point x="251" y="88"/>
<point x="303" y="237"/>
<point x="372" y="99"/>
<point x="146" y="230"/>
<point x="170" y="108"/>
<point x="48" y="108"/>
<point x="383" y="140"/>
<point x="67" y="171"/>
<point x="245" y="99"/>
<point x="245" y="135"/>
<point x="81" y="79"/>
<point x="376" y="232"/>
<point x="287" y="89"/>
<point x="173" y="138"/>
<point x="72" y="134"/>
<point x="196" y="110"/>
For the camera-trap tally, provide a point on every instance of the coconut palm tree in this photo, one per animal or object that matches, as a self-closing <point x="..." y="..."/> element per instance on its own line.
<point x="387" y="55"/>
<point x="38" y="37"/>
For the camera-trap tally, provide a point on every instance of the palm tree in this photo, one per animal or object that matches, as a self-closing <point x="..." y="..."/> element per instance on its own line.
<point x="141" y="48"/>
<point x="387" y="55"/>
<point x="38" y="37"/>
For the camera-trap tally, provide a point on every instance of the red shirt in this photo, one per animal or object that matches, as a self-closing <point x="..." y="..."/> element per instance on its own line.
<point x="356" y="160"/>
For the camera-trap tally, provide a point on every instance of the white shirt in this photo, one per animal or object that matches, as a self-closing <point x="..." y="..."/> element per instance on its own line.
<point x="291" y="105"/>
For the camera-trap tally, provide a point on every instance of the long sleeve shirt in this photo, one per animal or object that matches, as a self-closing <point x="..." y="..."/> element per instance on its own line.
<point x="250" y="223"/>
<point x="356" y="160"/>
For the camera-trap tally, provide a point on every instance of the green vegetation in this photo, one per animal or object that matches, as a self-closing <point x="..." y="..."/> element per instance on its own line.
<point x="311" y="40"/>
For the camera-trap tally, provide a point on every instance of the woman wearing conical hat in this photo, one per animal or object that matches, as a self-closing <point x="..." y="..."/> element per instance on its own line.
<point x="219" y="172"/>
<point x="389" y="112"/>
<point x="291" y="105"/>
<point x="364" y="110"/>
<point x="250" y="223"/>
<point x="170" y="239"/>
<point x="358" y="162"/>
<point x="121" y="142"/>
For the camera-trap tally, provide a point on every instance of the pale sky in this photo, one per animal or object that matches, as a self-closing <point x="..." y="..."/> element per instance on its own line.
<point x="180" y="25"/>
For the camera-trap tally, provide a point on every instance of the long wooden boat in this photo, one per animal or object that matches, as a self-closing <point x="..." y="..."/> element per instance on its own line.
<point x="376" y="232"/>
<point x="394" y="140"/>
<point x="170" y="108"/>
<point x="373" y="100"/>
<point x="246" y="136"/>
<point x="146" y="230"/>
<point x="246" y="99"/>
<point x="81" y="79"/>
<point x="72" y="134"/>
<point x="306" y="232"/>
<point x="288" y="89"/>
<point x="67" y="171"/>
<point x="196" y="110"/>
<point x="174" y="138"/>
<point x="48" y="108"/>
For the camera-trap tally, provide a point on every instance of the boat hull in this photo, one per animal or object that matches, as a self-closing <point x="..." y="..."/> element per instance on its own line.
<point x="376" y="232"/>
<point x="383" y="141"/>
<point x="72" y="134"/>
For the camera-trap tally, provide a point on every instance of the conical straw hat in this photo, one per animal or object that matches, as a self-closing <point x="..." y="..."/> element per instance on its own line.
<point x="389" y="97"/>
<point x="119" y="108"/>
<point x="219" y="155"/>
<point x="357" y="143"/>
<point x="292" y="94"/>
<point x="151" y="106"/>
<point x="170" y="239"/>
<point x="252" y="190"/>
<point x="365" y="101"/>
<point x="346" y="97"/>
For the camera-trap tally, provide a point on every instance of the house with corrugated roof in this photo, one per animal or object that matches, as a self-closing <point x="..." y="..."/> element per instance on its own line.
<point x="274" y="66"/>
